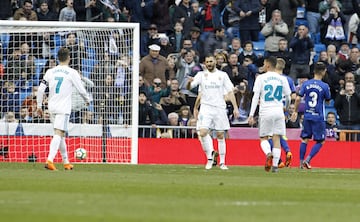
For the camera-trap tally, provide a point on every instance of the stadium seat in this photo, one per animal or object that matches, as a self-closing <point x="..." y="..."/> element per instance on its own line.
<point x="259" y="47"/>
<point x="319" y="48"/>
<point x="261" y="37"/>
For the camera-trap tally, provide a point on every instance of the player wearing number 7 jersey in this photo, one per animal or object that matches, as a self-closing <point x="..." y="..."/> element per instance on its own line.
<point x="61" y="80"/>
<point x="315" y="92"/>
<point x="270" y="88"/>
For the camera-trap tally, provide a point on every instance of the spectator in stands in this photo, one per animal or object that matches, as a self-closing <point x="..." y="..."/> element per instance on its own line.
<point x="243" y="99"/>
<point x="252" y="72"/>
<point x="50" y="63"/>
<point x="154" y="66"/>
<point x="236" y="72"/>
<point x="264" y="13"/>
<point x="331" y="126"/>
<point x="156" y="92"/>
<point x="10" y="117"/>
<point x="249" y="22"/>
<point x="44" y="45"/>
<point x="6" y="8"/>
<point x="146" y="116"/>
<point x="221" y="58"/>
<point x="313" y="16"/>
<point x="25" y="115"/>
<point x="301" y="45"/>
<point x="45" y="118"/>
<point x="344" y="51"/>
<point x="354" y="58"/>
<point x="88" y="117"/>
<point x="210" y="17"/>
<point x="353" y="26"/>
<point x="235" y="46"/>
<point x="192" y="133"/>
<point x="334" y="26"/>
<point x="26" y="12"/>
<point x="187" y="66"/>
<point x="347" y="105"/>
<point x="91" y="11"/>
<point x="166" y="47"/>
<point x="175" y="100"/>
<point x="331" y="51"/>
<point x="77" y="50"/>
<point x="177" y="37"/>
<point x="273" y="31"/>
<point x="289" y="122"/>
<point x="152" y="37"/>
<point x="68" y="13"/>
<point x="184" y="13"/>
<point x="231" y="19"/>
<point x="106" y="101"/>
<point x="10" y="101"/>
<point x="143" y="87"/>
<point x="248" y="51"/>
<point x="162" y="16"/>
<point x="45" y="14"/>
<point x="289" y="13"/>
<point x="215" y="40"/>
<point x="283" y="53"/>
<point x="173" y="120"/>
<point x="197" y="44"/>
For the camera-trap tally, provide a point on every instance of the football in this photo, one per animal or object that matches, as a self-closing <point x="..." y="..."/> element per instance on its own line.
<point x="80" y="153"/>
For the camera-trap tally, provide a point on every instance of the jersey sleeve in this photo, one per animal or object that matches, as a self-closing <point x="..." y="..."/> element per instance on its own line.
<point x="79" y="86"/>
<point x="197" y="80"/>
<point x="228" y="86"/>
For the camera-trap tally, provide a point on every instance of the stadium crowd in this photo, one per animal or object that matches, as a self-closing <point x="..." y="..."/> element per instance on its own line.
<point x="175" y="37"/>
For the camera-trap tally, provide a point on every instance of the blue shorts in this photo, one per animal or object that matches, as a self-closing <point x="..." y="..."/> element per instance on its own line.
<point x="313" y="128"/>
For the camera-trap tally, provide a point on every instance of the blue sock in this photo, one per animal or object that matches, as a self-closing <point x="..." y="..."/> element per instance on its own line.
<point x="271" y="143"/>
<point x="302" y="150"/>
<point x="284" y="145"/>
<point x="314" y="150"/>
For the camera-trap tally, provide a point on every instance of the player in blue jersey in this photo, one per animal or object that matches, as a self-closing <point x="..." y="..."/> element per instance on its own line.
<point x="315" y="92"/>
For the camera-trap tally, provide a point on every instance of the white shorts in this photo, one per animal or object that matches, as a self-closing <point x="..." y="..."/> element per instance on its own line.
<point x="60" y="121"/>
<point x="211" y="117"/>
<point x="272" y="123"/>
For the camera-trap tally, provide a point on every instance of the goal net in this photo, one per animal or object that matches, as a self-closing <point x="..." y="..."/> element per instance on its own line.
<point x="107" y="57"/>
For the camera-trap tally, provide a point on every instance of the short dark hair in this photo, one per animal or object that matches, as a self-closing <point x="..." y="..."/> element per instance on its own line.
<point x="63" y="54"/>
<point x="272" y="60"/>
<point x="319" y="67"/>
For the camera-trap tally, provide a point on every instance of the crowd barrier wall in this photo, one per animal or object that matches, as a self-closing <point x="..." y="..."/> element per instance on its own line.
<point x="334" y="154"/>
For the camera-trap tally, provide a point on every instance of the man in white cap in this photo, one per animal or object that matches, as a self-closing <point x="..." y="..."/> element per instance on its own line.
<point x="154" y="66"/>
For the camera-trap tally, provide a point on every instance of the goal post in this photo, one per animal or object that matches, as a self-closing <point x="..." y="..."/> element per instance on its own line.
<point x="106" y="55"/>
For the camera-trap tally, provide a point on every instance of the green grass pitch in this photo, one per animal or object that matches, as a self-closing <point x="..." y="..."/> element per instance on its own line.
<point x="103" y="192"/>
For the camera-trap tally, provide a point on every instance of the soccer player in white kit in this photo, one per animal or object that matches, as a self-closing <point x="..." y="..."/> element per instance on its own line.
<point x="214" y="86"/>
<point x="61" y="80"/>
<point x="270" y="88"/>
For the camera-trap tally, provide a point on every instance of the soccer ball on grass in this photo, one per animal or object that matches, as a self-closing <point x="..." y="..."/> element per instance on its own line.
<point x="80" y="153"/>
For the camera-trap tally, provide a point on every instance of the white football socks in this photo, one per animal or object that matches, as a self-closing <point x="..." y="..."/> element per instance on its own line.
<point x="222" y="150"/>
<point x="208" y="146"/>
<point x="63" y="151"/>
<point x="54" y="146"/>
<point x="276" y="156"/>
<point x="265" y="146"/>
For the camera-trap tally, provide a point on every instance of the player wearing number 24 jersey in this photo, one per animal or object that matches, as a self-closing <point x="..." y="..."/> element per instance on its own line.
<point x="270" y="88"/>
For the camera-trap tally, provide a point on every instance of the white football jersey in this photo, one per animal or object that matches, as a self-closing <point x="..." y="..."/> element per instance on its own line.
<point x="271" y="87"/>
<point x="61" y="80"/>
<point x="213" y="87"/>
